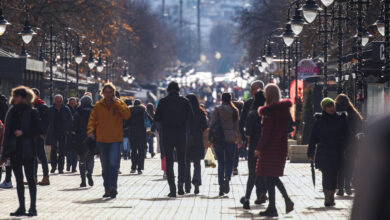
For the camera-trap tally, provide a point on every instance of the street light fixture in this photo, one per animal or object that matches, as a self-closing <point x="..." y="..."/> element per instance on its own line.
<point x="380" y="24"/>
<point x="310" y="10"/>
<point x="91" y="60"/>
<point x="100" y="65"/>
<point x="27" y="32"/>
<point x="297" y="22"/>
<point x="365" y="37"/>
<point x="3" y="23"/>
<point x="288" y="35"/>
<point x="264" y="63"/>
<point x="327" y="3"/>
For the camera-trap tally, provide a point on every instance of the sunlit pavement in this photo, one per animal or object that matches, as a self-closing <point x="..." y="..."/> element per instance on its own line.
<point x="144" y="197"/>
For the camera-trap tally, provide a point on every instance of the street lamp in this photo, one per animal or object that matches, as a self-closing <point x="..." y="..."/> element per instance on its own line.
<point x="100" y="65"/>
<point x="269" y="57"/>
<point x="297" y="22"/>
<point x="91" y="60"/>
<point x="3" y="23"/>
<point x="380" y="24"/>
<point x="288" y="35"/>
<point x="27" y="32"/>
<point x="327" y="3"/>
<point x="310" y="10"/>
<point x="365" y="37"/>
<point x="264" y="63"/>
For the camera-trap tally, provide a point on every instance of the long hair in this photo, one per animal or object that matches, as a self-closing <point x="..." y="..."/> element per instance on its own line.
<point x="25" y="92"/>
<point x="272" y="93"/>
<point x="343" y="103"/>
<point x="196" y="107"/>
<point x="258" y="101"/>
<point x="227" y="99"/>
<point x="150" y="108"/>
<point x="108" y="85"/>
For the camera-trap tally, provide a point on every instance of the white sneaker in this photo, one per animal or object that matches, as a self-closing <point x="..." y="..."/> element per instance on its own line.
<point x="6" y="185"/>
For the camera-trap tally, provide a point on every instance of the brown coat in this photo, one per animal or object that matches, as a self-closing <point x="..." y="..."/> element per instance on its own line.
<point x="230" y="127"/>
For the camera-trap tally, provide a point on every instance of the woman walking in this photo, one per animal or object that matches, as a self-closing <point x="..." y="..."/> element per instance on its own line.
<point x="106" y="121"/>
<point x="253" y="131"/>
<point x="271" y="149"/>
<point x="227" y="115"/>
<point x="354" y="120"/>
<point x="327" y="143"/>
<point x="195" y="147"/>
<point x="82" y="145"/>
<point x="22" y="127"/>
<point x="150" y="136"/>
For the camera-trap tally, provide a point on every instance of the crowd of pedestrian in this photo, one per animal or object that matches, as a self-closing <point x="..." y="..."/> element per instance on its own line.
<point x="78" y="130"/>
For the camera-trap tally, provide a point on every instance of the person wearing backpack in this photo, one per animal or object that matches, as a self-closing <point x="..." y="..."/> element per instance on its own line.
<point x="226" y="117"/>
<point x="174" y="113"/>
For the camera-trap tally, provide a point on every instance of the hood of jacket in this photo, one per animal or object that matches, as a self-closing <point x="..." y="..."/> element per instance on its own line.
<point x="84" y="111"/>
<point x="137" y="109"/>
<point x="275" y="107"/>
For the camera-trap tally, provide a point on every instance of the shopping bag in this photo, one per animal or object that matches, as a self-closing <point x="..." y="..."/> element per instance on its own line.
<point x="209" y="159"/>
<point x="164" y="164"/>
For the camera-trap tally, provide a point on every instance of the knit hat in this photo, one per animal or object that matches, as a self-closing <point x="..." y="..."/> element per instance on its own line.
<point x="326" y="102"/>
<point x="86" y="101"/>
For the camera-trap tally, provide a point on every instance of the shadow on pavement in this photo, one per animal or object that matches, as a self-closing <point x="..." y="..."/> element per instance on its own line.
<point x="94" y="201"/>
<point x="119" y="207"/>
<point x="158" y="199"/>
<point x="214" y="197"/>
<point x="324" y="208"/>
<point x="74" y="189"/>
<point x="157" y="180"/>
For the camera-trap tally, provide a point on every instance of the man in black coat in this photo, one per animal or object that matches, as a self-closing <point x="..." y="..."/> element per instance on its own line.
<point x="174" y="112"/>
<point x="71" y="156"/>
<point x="3" y="107"/>
<point x="43" y="111"/>
<point x="60" y="119"/>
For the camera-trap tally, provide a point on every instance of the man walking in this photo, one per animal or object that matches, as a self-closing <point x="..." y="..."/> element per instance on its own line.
<point x="174" y="112"/>
<point x="106" y="123"/>
<point x="71" y="157"/>
<point x="59" y="124"/>
<point x="43" y="111"/>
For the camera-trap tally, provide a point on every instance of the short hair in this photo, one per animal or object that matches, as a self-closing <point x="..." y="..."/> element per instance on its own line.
<point x="108" y="85"/>
<point x="59" y="95"/>
<point x="72" y="99"/>
<point x="36" y="91"/>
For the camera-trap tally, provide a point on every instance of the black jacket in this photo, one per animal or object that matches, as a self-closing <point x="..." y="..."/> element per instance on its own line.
<point x="328" y="140"/>
<point x="26" y="119"/>
<point x="195" y="138"/>
<point x="136" y="126"/>
<point x="174" y="112"/>
<point x="244" y="116"/>
<point x="79" y="129"/>
<point x="253" y="129"/>
<point x="43" y="110"/>
<point x="66" y="122"/>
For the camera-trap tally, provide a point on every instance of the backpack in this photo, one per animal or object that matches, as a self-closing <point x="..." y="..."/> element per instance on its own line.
<point x="216" y="134"/>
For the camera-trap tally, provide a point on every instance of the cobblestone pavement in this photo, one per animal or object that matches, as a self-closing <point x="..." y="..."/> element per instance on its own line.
<point x="144" y="197"/>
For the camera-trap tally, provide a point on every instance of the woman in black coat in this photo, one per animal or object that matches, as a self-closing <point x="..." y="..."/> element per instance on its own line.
<point x="83" y="146"/>
<point x="327" y="143"/>
<point x="253" y="131"/>
<point x="22" y="127"/>
<point x="195" y="147"/>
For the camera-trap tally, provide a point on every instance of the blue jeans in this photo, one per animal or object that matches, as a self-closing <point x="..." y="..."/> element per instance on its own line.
<point x="151" y="144"/>
<point x="110" y="159"/>
<point x="41" y="154"/>
<point x="225" y="156"/>
<point x="126" y="144"/>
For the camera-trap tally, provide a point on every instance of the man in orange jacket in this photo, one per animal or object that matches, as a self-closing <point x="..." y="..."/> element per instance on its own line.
<point x="106" y="121"/>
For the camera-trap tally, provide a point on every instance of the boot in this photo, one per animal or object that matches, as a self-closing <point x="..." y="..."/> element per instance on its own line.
<point x="45" y="181"/>
<point x="90" y="180"/>
<point x="327" y="198"/>
<point x="289" y="205"/>
<point x="83" y="184"/>
<point x="348" y="190"/>
<point x="262" y="199"/>
<point x="331" y="197"/>
<point x="196" y="189"/>
<point x="226" y="186"/>
<point x="270" y="212"/>
<point x="245" y="203"/>
<point x="113" y="193"/>
<point x="221" y="191"/>
<point x="21" y="211"/>
<point x="106" y="193"/>
<point x="32" y="212"/>
<point x="340" y="192"/>
<point x="180" y="190"/>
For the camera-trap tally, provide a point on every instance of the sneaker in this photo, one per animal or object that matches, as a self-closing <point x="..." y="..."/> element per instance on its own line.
<point x="132" y="171"/>
<point x="6" y="185"/>
<point x="139" y="172"/>
<point x="45" y="181"/>
<point x="340" y="192"/>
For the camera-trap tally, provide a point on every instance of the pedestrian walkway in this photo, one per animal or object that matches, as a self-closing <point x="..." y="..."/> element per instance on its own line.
<point x="144" y="197"/>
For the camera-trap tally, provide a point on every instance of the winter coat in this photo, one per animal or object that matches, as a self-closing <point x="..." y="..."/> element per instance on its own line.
<point x="253" y="129"/>
<point x="328" y="139"/>
<point x="66" y="120"/>
<point x="197" y="126"/>
<point x="3" y="107"/>
<point x="43" y="110"/>
<point x="108" y="122"/>
<point x="79" y="129"/>
<point x="174" y="112"/>
<point x="244" y="115"/>
<point x="26" y="119"/>
<point x="273" y="141"/>
<point x="230" y="126"/>
<point x="137" y="129"/>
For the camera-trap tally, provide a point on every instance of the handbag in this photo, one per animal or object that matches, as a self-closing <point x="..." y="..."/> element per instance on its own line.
<point x="216" y="133"/>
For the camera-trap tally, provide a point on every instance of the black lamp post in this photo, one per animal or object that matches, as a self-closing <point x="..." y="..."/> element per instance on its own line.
<point x="3" y="22"/>
<point x="387" y="37"/>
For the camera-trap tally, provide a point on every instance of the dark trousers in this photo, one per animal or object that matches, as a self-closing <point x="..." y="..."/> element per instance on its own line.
<point x="344" y="179"/>
<point x="41" y="155"/>
<point x="225" y="156"/>
<point x="137" y="156"/>
<point x="86" y="164"/>
<point x="196" y="179"/>
<point x="8" y="174"/>
<point x="57" y="146"/>
<point x="329" y="179"/>
<point x="175" y="140"/>
<point x="271" y="183"/>
<point x="17" y="167"/>
<point x="236" y="158"/>
<point x="253" y="180"/>
<point x="71" y="160"/>
<point x="151" y="145"/>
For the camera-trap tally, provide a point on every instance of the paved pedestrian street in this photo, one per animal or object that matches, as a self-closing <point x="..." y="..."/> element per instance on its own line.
<point x="145" y="197"/>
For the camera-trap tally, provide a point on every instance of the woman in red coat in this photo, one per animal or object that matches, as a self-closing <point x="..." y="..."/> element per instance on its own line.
<point x="272" y="147"/>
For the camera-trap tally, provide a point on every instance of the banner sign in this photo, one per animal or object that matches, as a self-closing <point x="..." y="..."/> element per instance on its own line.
<point x="307" y="68"/>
